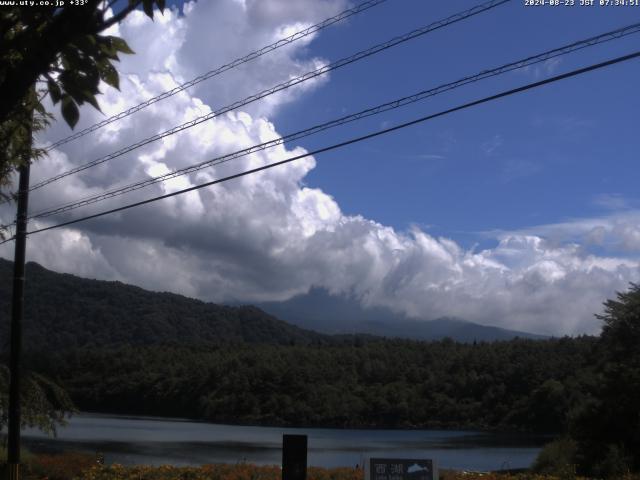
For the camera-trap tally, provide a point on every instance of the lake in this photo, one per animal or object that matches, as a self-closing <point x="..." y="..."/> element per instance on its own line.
<point x="155" y="441"/>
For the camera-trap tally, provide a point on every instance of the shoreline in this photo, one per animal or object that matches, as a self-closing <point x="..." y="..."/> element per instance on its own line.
<point x="432" y="428"/>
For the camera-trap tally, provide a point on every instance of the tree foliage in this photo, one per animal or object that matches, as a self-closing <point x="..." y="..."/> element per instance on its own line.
<point x="621" y="331"/>
<point x="606" y="426"/>
<point x="65" y="51"/>
<point x="44" y="404"/>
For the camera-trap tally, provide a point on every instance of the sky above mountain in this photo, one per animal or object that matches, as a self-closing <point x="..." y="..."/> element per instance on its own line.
<point x="521" y="213"/>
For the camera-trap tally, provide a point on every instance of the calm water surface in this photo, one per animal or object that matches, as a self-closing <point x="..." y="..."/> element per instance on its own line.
<point x="155" y="441"/>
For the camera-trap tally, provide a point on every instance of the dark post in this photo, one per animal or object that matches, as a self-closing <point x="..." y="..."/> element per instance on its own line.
<point x="17" y="310"/>
<point x="294" y="457"/>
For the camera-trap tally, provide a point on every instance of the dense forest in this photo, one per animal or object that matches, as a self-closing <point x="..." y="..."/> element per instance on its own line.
<point x="523" y="384"/>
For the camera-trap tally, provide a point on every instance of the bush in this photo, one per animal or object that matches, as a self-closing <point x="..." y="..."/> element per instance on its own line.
<point x="557" y="458"/>
<point x="615" y="463"/>
<point x="62" y="466"/>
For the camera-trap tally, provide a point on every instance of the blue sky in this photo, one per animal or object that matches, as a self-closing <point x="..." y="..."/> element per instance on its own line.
<point x="540" y="157"/>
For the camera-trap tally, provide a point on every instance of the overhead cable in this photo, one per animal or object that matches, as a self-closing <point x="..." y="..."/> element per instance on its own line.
<point x="424" y="94"/>
<point x="282" y="86"/>
<point x="336" y="146"/>
<point x="221" y="69"/>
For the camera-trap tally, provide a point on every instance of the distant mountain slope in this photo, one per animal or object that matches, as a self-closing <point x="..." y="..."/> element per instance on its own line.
<point x="339" y="315"/>
<point x="64" y="311"/>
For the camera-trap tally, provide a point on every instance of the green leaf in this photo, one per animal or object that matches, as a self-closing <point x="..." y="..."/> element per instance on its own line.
<point x="65" y="62"/>
<point x="86" y="43"/>
<point x="121" y="46"/>
<point x="73" y="84"/>
<point x="91" y="98"/>
<point x="81" y="85"/>
<point x="109" y="75"/>
<point x="107" y="49"/>
<point x="39" y="108"/>
<point x="92" y="76"/>
<point x="54" y="91"/>
<point x="147" y="6"/>
<point x="70" y="111"/>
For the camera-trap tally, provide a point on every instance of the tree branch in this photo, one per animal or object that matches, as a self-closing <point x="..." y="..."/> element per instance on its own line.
<point x="119" y="16"/>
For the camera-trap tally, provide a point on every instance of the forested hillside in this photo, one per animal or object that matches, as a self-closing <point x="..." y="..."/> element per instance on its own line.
<point x="64" y="311"/>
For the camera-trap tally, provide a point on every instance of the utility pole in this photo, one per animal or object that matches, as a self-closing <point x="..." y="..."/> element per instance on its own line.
<point x="17" y="311"/>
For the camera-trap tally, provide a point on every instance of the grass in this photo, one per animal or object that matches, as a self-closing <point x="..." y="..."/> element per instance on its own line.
<point x="26" y="455"/>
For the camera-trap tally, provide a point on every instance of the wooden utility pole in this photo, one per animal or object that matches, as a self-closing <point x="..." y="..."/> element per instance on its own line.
<point x="17" y="313"/>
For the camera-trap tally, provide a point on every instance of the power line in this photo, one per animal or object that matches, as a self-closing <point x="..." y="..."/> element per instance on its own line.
<point x="282" y="86"/>
<point x="8" y="240"/>
<point x="212" y="73"/>
<point x="513" y="91"/>
<point x="575" y="46"/>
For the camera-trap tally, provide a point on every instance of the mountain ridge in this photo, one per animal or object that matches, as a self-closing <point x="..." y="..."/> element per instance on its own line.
<point x="344" y="315"/>
<point x="65" y="311"/>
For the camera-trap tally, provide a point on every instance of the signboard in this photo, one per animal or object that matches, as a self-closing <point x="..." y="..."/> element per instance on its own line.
<point x="294" y="457"/>
<point x="401" y="469"/>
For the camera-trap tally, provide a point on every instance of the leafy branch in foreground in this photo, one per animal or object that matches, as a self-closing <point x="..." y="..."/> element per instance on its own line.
<point x="45" y="405"/>
<point x="62" y="49"/>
